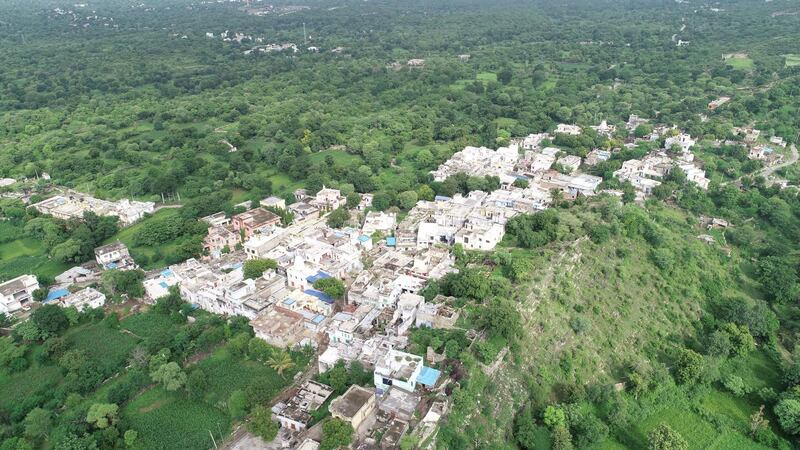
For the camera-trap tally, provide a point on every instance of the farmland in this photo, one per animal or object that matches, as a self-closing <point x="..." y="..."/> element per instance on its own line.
<point x="103" y="351"/>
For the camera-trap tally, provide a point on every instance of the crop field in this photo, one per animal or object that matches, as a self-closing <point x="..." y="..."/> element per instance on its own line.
<point x="148" y="324"/>
<point x="106" y="347"/>
<point x="792" y="60"/>
<point x="15" y="389"/>
<point x="167" y="421"/>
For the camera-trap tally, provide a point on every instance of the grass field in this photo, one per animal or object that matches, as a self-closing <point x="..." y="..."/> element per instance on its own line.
<point x="792" y="60"/>
<point x="108" y="348"/>
<point x="148" y="324"/>
<point x="167" y="421"/>
<point x="16" y="388"/>
<point x="741" y="63"/>
<point x="27" y="255"/>
<point x="483" y="77"/>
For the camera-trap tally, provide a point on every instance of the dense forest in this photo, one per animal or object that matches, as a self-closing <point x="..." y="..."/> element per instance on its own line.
<point x="608" y="324"/>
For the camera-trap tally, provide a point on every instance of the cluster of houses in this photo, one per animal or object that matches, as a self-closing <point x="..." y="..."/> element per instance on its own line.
<point x="72" y="205"/>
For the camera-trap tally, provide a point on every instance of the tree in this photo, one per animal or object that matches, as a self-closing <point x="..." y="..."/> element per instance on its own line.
<point x="336" y="434"/>
<point x="196" y="384"/>
<point x="259" y="350"/>
<point x="50" y="319"/>
<point x="280" y="362"/>
<point x="28" y="331"/>
<point x="67" y="251"/>
<point x="130" y="437"/>
<point x="170" y="375"/>
<point x="689" y="365"/>
<point x="407" y="199"/>
<point x="788" y="412"/>
<point x="758" y="422"/>
<point x="778" y="278"/>
<point x="665" y="438"/>
<point x="261" y="423"/>
<point x="254" y="268"/>
<point x="333" y="287"/>
<point x="102" y="415"/>
<point x="501" y="318"/>
<point x="554" y="417"/>
<point x="338" y="218"/>
<point x="128" y="282"/>
<point x="38" y="423"/>
<point x="562" y="439"/>
<point x="237" y="404"/>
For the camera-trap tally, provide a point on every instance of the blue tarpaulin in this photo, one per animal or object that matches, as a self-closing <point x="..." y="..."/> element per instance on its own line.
<point x="428" y="376"/>
<point x="320" y="295"/>
<point x="320" y="275"/>
<point x="55" y="295"/>
<point x="391" y="241"/>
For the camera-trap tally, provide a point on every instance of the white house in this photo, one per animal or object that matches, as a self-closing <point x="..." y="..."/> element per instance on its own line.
<point x="16" y="294"/>
<point x="398" y="369"/>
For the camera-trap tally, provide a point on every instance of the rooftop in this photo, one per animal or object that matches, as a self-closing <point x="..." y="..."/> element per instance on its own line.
<point x="349" y="404"/>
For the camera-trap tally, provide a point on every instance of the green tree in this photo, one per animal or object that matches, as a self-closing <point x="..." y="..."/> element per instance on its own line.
<point x="254" y="268"/>
<point x="237" y="404"/>
<point x="261" y="423"/>
<point x="196" y="384"/>
<point x="689" y="365"/>
<point x="663" y="437"/>
<point x="338" y="218"/>
<point x="554" y="417"/>
<point x="130" y="437"/>
<point x="170" y="375"/>
<point x="788" y="412"/>
<point x="102" y="415"/>
<point x="333" y="287"/>
<point x="50" y="319"/>
<point x="280" y="362"/>
<point x="336" y="434"/>
<point x="407" y="199"/>
<point x="38" y="423"/>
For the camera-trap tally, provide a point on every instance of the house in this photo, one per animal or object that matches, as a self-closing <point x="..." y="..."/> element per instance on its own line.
<point x="777" y="140"/>
<point x="83" y="299"/>
<point x="354" y="406"/>
<point x="378" y="221"/>
<point x="760" y="152"/>
<point x="718" y="102"/>
<point x="605" y="129"/>
<point x="251" y="221"/>
<point x="273" y="202"/>
<point x="295" y="414"/>
<point x="415" y="62"/>
<point x="77" y="274"/>
<point x="17" y="294"/>
<point x="634" y="121"/>
<point x="114" y="256"/>
<point x="280" y="327"/>
<point x="463" y="58"/>
<point x="219" y="238"/>
<point x="328" y="199"/>
<point x="405" y="314"/>
<point x="4" y="182"/>
<point x="366" y="201"/>
<point x="73" y="205"/>
<point x="159" y="285"/>
<point x="682" y="140"/>
<point x="572" y="130"/>
<point x="597" y="156"/>
<point x="393" y="434"/>
<point x="398" y="369"/>
<point x="303" y="211"/>
<point x="436" y="315"/>
<point x="534" y="141"/>
<point x="217" y="219"/>
<point x="570" y="162"/>
<point x="399" y="404"/>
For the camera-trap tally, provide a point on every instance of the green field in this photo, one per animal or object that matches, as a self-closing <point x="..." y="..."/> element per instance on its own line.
<point x="106" y="347"/>
<point x="792" y="60"/>
<point x="741" y="63"/>
<point x="27" y="255"/>
<point x="168" y="420"/>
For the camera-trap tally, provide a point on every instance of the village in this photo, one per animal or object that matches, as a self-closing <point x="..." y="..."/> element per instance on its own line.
<point x="383" y="265"/>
